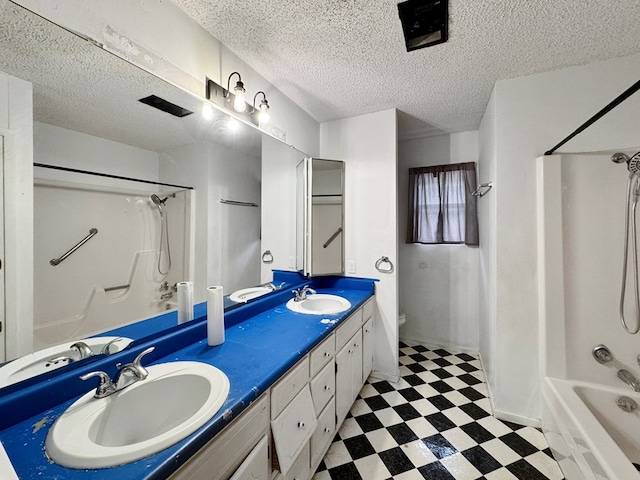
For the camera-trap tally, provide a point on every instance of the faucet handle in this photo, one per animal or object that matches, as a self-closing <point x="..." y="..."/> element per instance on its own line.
<point x="142" y="354"/>
<point x="106" y="349"/>
<point x="142" y="372"/>
<point x="105" y="386"/>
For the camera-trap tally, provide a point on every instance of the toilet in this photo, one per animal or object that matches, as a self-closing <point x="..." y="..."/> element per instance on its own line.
<point x="402" y="318"/>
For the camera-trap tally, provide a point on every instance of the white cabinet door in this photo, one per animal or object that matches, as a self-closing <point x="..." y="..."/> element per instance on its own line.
<point x="256" y="465"/>
<point x="367" y="349"/>
<point x="348" y="375"/>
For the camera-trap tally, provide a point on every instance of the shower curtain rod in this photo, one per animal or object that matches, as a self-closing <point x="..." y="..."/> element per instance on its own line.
<point x="108" y="175"/>
<point x="617" y="101"/>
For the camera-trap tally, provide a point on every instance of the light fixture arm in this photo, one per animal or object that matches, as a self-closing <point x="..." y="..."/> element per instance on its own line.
<point x="264" y="99"/>
<point x="239" y="83"/>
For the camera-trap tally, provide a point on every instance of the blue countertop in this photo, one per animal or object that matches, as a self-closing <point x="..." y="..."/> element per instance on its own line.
<point x="262" y="341"/>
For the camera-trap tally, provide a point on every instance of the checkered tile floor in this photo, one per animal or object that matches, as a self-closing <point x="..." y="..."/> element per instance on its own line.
<point x="436" y="424"/>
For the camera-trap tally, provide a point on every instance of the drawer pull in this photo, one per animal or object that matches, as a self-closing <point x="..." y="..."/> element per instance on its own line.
<point x="355" y="345"/>
<point x="326" y="354"/>
<point x="326" y="387"/>
<point x="350" y="351"/>
<point x="327" y="430"/>
<point x="301" y="425"/>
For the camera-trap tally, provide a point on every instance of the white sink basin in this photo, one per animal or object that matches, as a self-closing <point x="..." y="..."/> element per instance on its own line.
<point x="320" y="304"/>
<point x="174" y="401"/>
<point x="246" y="294"/>
<point x="40" y="362"/>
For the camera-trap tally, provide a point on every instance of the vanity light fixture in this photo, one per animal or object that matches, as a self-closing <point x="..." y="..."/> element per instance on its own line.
<point x="263" y="109"/>
<point x="239" y="105"/>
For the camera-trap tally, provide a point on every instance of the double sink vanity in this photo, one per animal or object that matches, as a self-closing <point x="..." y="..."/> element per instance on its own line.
<point x="263" y="405"/>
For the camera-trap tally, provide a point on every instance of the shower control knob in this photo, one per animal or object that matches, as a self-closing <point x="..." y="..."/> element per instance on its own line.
<point x="602" y="354"/>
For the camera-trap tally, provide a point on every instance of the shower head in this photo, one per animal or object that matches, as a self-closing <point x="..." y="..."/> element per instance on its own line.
<point x="156" y="199"/>
<point x="633" y="164"/>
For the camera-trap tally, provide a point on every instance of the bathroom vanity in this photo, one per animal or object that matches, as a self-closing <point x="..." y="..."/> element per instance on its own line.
<point x="293" y="378"/>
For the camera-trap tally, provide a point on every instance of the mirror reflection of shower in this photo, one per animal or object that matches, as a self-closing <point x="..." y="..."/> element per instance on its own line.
<point x="630" y="238"/>
<point x="164" y="233"/>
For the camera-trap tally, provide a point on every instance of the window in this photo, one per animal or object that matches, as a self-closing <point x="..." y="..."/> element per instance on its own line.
<point x="441" y="207"/>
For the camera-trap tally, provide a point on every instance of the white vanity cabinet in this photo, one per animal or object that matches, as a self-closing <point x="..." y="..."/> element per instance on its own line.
<point x="304" y="408"/>
<point x="239" y="451"/>
<point x="367" y="340"/>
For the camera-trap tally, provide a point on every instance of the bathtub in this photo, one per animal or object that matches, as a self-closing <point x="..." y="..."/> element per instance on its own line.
<point x="591" y="438"/>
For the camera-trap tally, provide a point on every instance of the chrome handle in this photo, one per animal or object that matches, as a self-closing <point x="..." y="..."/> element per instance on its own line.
<point x="142" y="354"/>
<point x="107" y="347"/>
<point x="104" y="378"/>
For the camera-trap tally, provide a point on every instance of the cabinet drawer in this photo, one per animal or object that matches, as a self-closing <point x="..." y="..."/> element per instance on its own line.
<point x="289" y="386"/>
<point x="323" y="434"/>
<point x="367" y="309"/>
<point x="222" y="455"/>
<point x="321" y="355"/>
<point x="350" y="326"/>
<point x="323" y="387"/>
<point x="293" y="428"/>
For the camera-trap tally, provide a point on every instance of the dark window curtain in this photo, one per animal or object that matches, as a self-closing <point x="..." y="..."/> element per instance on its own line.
<point x="441" y="207"/>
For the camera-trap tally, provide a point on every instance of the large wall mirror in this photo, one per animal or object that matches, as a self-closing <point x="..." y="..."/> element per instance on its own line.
<point x="179" y="197"/>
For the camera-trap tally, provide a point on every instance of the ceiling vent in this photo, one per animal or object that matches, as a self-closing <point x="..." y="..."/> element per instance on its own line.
<point x="165" y="106"/>
<point x="424" y="22"/>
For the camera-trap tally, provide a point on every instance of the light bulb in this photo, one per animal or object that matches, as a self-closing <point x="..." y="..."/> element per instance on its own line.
<point x="239" y="104"/>
<point x="207" y="112"/>
<point x="263" y="116"/>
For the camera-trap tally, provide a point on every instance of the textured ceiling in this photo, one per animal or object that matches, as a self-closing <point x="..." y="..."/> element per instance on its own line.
<point x="79" y="86"/>
<point x="341" y="58"/>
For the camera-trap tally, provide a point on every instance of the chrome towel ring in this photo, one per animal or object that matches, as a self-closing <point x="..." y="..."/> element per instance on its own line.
<point x="384" y="260"/>
<point x="267" y="257"/>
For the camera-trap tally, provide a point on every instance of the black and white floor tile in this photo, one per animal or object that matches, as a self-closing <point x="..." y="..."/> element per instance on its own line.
<point x="436" y="423"/>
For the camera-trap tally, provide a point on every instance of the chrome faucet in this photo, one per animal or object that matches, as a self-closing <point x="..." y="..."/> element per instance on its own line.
<point x="301" y="293"/>
<point x="629" y="378"/>
<point x="106" y="350"/>
<point x="83" y="349"/>
<point x="127" y="375"/>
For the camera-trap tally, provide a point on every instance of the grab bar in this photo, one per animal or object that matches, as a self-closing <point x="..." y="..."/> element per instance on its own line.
<point x="332" y="237"/>
<point x="57" y="261"/>
<point x="241" y="204"/>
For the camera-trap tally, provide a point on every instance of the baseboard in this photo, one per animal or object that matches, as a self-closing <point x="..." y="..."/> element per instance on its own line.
<point x="428" y="343"/>
<point x="385" y="376"/>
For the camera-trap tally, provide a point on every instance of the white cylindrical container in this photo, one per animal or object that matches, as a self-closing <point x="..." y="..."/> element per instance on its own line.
<point x="185" y="302"/>
<point x="215" y="316"/>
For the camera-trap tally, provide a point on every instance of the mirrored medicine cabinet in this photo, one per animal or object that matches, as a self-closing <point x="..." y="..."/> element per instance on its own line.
<point x="320" y="217"/>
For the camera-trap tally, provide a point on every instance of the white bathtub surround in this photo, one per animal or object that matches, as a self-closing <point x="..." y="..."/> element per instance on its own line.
<point x="215" y="316"/>
<point x="581" y="228"/>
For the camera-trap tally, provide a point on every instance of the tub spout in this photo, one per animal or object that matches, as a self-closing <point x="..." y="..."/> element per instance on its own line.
<point x="627" y="377"/>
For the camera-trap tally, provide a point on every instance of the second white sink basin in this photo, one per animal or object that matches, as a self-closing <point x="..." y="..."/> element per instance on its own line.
<point x="174" y="401"/>
<point x="320" y="304"/>
<point x="246" y="294"/>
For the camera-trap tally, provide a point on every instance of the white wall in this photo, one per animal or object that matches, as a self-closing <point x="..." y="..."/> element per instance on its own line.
<point x="137" y="31"/>
<point x="16" y="128"/>
<point x="368" y="145"/>
<point x="531" y="115"/>
<point x="439" y="285"/>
